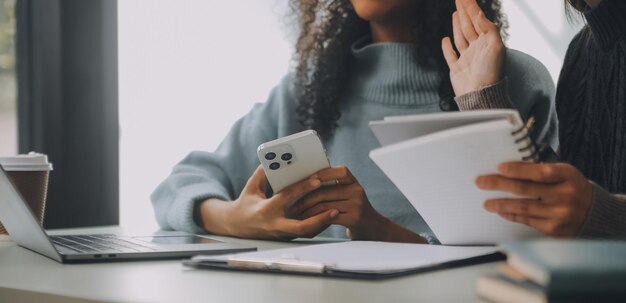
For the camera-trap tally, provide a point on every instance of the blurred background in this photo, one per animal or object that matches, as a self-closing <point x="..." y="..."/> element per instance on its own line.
<point x="186" y="70"/>
<point x="8" y="89"/>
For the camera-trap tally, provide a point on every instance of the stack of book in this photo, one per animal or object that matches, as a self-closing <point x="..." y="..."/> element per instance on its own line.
<point x="558" y="271"/>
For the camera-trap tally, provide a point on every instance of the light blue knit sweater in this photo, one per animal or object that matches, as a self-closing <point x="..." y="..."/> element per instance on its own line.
<point x="386" y="82"/>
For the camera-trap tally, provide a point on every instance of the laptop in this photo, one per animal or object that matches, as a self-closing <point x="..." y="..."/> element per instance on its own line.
<point x="19" y="221"/>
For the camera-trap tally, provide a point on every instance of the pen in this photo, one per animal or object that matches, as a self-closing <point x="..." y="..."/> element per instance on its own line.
<point x="285" y="264"/>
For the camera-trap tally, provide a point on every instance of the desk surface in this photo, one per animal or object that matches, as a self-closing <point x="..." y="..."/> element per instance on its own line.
<point x="26" y="276"/>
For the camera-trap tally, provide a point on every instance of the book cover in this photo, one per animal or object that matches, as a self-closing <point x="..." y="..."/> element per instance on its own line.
<point x="572" y="266"/>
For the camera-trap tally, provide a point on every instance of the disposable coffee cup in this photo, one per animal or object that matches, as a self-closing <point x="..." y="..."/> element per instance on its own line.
<point x="29" y="173"/>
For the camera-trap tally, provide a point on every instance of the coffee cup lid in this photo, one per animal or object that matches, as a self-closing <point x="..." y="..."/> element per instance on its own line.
<point x="31" y="162"/>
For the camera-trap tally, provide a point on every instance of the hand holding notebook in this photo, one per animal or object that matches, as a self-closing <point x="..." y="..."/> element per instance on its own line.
<point x="434" y="161"/>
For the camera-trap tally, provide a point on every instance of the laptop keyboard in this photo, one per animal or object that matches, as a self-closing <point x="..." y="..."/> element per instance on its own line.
<point x="100" y="243"/>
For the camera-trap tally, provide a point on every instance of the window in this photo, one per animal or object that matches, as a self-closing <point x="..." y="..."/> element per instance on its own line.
<point x="8" y="88"/>
<point x="540" y="29"/>
<point x="187" y="71"/>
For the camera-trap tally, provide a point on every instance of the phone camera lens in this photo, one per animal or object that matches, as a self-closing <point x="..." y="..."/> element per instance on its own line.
<point x="270" y="156"/>
<point x="286" y="157"/>
<point x="274" y="166"/>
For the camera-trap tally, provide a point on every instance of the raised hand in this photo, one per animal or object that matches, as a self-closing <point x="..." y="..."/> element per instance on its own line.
<point x="480" y="46"/>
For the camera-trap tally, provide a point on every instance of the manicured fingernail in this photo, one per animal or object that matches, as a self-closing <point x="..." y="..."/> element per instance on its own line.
<point x="313" y="177"/>
<point x="315" y="183"/>
<point x="334" y="213"/>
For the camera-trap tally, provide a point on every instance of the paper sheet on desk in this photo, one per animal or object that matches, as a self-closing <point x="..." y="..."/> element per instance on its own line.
<point x="364" y="257"/>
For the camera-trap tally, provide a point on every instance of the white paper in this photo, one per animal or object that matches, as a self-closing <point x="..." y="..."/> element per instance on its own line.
<point x="365" y="257"/>
<point x="437" y="174"/>
<point x="399" y="128"/>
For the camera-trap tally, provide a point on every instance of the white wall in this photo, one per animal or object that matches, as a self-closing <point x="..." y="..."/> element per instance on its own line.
<point x="189" y="69"/>
<point x="540" y="28"/>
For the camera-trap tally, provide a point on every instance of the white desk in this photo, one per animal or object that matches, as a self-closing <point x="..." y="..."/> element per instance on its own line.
<point x="26" y="276"/>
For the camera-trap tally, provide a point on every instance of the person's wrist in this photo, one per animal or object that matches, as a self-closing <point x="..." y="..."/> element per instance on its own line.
<point x="386" y="227"/>
<point x="399" y="234"/>
<point x="230" y="218"/>
<point x="588" y="193"/>
<point x="378" y="229"/>
<point x="203" y="213"/>
<point x="216" y="216"/>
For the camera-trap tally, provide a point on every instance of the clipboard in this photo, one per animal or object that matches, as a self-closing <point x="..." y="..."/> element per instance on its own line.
<point x="351" y="260"/>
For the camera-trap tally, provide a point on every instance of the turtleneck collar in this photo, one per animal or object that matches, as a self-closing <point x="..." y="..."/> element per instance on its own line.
<point x="608" y="22"/>
<point x="388" y="73"/>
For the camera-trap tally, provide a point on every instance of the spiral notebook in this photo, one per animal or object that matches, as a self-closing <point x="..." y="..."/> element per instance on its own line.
<point x="434" y="160"/>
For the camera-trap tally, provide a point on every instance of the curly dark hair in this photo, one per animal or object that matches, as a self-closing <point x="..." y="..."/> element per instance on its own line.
<point x="323" y="58"/>
<point x="579" y="5"/>
<point x="574" y="9"/>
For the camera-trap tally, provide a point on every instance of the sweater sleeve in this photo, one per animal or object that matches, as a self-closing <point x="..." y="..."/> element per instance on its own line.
<point x="222" y="174"/>
<point x="607" y="216"/>
<point x="527" y="87"/>
<point x="488" y="97"/>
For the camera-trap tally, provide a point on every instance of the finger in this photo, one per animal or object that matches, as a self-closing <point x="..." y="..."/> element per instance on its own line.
<point x="539" y="224"/>
<point x="448" y="52"/>
<point x="257" y="182"/>
<point x="346" y="219"/>
<point x="542" y="172"/>
<point x="339" y="173"/>
<point x="467" y="27"/>
<point x="482" y="25"/>
<point x="295" y="192"/>
<point x="520" y="207"/>
<point x="334" y="193"/>
<point x="341" y="206"/>
<point x="459" y="38"/>
<point x="518" y="187"/>
<point x="309" y="227"/>
<point x="471" y="7"/>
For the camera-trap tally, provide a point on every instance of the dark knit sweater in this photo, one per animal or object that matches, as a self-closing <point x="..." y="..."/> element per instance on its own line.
<point x="591" y="107"/>
<point x="591" y="98"/>
<point x="591" y="104"/>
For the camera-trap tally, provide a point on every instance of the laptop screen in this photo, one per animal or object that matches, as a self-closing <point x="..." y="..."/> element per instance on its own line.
<point x="20" y="222"/>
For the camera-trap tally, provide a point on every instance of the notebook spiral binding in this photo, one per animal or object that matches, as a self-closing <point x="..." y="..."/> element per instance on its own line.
<point x="525" y="143"/>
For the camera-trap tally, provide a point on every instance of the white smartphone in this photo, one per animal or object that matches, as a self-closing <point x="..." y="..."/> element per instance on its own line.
<point x="291" y="159"/>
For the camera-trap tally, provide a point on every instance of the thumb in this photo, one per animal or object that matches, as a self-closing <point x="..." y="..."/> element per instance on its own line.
<point x="256" y="183"/>
<point x="310" y="227"/>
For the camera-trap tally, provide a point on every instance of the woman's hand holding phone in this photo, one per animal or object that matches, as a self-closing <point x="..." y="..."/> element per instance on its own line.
<point x="481" y="49"/>
<point x="355" y="211"/>
<point x="253" y="215"/>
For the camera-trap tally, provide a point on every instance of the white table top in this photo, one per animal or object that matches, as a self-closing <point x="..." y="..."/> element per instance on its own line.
<point x="26" y="276"/>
